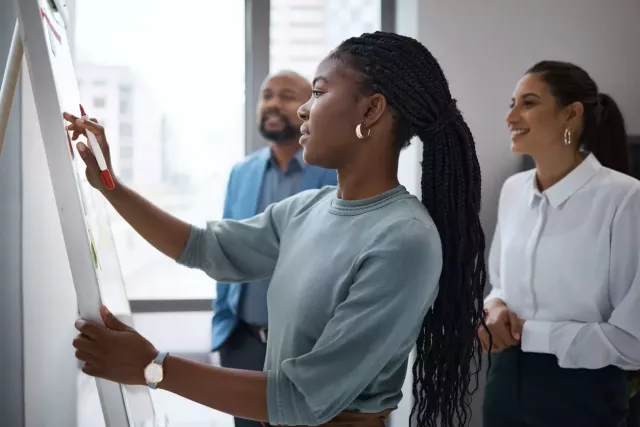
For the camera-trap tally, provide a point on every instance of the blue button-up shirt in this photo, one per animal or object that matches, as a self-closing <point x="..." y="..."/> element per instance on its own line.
<point x="277" y="185"/>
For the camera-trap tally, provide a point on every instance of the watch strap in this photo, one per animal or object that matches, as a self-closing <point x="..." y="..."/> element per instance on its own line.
<point x="158" y="360"/>
<point x="160" y="357"/>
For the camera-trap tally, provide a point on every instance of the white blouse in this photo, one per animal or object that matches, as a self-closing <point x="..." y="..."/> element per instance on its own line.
<point x="567" y="261"/>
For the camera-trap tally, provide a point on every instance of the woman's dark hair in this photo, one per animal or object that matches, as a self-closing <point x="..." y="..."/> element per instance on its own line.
<point x="405" y="72"/>
<point x="604" y="133"/>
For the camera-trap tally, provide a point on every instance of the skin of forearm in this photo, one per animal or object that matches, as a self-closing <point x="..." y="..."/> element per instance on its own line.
<point x="240" y="393"/>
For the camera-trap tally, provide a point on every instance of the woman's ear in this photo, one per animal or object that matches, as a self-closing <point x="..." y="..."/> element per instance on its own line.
<point x="375" y="108"/>
<point x="575" y="111"/>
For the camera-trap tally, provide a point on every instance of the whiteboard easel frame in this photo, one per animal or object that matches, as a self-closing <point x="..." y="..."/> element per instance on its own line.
<point x="114" y="407"/>
<point x="10" y="80"/>
<point x="112" y="396"/>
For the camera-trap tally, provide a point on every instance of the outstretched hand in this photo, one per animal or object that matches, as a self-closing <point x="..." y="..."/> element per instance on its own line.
<point x="113" y="351"/>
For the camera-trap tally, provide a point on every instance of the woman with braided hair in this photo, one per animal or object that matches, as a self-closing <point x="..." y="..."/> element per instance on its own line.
<point x="362" y="273"/>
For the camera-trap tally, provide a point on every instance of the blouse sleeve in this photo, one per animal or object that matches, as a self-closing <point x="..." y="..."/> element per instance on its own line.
<point x="616" y="341"/>
<point x="495" y="254"/>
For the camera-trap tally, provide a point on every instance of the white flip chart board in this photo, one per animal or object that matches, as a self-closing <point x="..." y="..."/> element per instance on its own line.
<point x="82" y="210"/>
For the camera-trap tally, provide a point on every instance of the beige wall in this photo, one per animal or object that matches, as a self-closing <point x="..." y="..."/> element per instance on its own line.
<point x="484" y="48"/>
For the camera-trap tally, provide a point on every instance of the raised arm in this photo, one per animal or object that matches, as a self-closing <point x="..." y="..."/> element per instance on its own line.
<point x="236" y="251"/>
<point x="221" y="303"/>
<point x="225" y="250"/>
<point x="615" y="341"/>
<point x="163" y="231"/>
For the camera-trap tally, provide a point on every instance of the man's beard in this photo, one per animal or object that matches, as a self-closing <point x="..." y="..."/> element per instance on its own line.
<point x="286" y="134"/>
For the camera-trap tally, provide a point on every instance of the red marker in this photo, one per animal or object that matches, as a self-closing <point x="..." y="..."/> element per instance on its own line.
<point x="105" y="175"/>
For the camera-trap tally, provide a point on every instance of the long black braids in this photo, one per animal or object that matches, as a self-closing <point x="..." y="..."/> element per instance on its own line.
<point x="448" y="348"/>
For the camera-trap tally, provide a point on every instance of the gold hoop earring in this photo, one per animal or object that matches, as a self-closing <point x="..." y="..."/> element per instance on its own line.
<point x="567" y="137"/>
<point x="359" y="132"/>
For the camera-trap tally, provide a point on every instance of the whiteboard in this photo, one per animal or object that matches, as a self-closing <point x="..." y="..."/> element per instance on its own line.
<point x="82" y="210"/>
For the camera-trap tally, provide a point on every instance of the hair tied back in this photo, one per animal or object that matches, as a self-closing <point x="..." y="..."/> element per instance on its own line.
<point x="448" y="116"/>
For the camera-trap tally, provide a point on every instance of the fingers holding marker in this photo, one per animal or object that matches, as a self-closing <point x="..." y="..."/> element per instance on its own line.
<point x="97" y="130"/>
<point x="97" y="145"/>
<point x="69" y="117"/>
<point x="72" y="127"/>
<point x="91" y="125"/>
<point x="87" y="156"/>
<point x="79" y="126"/>
<point x="77" y="130"/>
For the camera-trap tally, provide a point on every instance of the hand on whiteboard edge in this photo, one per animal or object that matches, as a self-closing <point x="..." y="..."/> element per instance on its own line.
<point x="113" y="351"/>
<point x="79" y="127"/>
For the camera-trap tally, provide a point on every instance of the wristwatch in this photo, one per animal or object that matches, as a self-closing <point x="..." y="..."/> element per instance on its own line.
<point x="154" y="372"/>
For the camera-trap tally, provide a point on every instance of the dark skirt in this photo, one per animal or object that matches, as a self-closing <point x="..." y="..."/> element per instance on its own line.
<point x="531" y="390"/>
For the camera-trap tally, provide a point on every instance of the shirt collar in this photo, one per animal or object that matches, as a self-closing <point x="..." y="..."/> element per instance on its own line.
<point x="300" y="160"/>
<point x="296" y="161"/>
<point x="567" y="186"/>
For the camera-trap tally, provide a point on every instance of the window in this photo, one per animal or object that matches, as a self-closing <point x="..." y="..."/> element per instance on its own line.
<point x="307" y="7"/>
<point x="126" y="175"/>
<point x="126" y="130"/>
<point x="306" y="25"/>
<point x="126" y="153"/>
<point x="124" y="106"/>
<point x="183" y="155"/>
<point x="307" y="42"/>
<point x="99" y="102"/>
<point x="303" y="32"/>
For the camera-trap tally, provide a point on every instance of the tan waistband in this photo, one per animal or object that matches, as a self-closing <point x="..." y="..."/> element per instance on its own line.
<point x="353" y="419"/>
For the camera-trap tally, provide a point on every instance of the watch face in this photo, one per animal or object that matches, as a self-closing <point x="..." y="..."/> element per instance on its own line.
<point x="153" y="373"/>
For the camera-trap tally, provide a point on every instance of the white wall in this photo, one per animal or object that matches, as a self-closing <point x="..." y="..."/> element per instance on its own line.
<point x="485" y="47"/>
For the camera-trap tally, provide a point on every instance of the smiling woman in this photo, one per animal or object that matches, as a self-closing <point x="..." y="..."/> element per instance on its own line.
<point x="360" y="273"/>
<point x="564" y="267"/>
<point x="558" y="98"/>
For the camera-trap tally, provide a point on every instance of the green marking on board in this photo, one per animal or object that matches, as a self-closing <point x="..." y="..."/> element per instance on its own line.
<point x="94" y="253"/>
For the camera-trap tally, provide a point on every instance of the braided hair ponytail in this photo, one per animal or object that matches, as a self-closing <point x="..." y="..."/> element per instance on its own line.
<point x="405" y="72"/>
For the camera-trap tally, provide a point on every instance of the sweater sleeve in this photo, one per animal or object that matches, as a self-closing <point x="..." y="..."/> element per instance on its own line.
<point x="395" y="284"/>
<point x="239" y="251"/>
